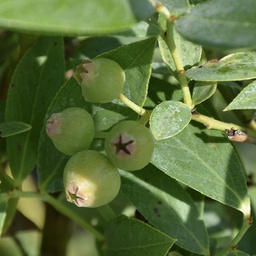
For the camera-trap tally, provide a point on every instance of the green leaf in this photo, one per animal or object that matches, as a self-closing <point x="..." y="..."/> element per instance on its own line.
<point x="169" y="118"/>
<point x="35" y="81"/>
<point x="176" y="7"/>
<point x="189" y="52"/>
<point x="51" y="162"/>
<point x="203" y="91"/>
<point x="205" y="161"/>
<point x="128" y="237"/>
<point x="223" y="24"/>
<point x="167" y="206"/>
<point x="150" y="27"/>
<point x="73" y="18"/>
<point x="13" y="128"/>
<point x="246" y="99"/>
<point x="233" y="67"/>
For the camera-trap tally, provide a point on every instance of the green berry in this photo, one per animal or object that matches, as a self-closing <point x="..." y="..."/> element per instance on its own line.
<point x="71" y="130"/>
<point x="90" y="179"/>
<point x="129" y="145"/>
<point x="102" y="80"/>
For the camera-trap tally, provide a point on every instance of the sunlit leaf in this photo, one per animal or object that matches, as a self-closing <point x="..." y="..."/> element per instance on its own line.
<point x="246" y="99"/>
<point x="169" y="118"/>
<point x="69" y="18"/>
<point x="233" y="67"/>
<point x="176" y="7"/>
<point x="218" y="23"/>
<point x="205" y="161"/>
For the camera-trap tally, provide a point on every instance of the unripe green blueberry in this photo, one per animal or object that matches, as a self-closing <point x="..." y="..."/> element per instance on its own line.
<point x="102" y="80"/>
<point x="71" y="130"/>
<point x="90" y="179"/>
<point x="129" y="145"/>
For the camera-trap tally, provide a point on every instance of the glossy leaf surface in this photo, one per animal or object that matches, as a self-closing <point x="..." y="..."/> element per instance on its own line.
<point x="222" y="24"/>
<point x="73" y="18"/>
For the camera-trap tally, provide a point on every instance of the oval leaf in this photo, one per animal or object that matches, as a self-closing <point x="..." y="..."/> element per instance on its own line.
<point x="176" y="7"/>
<point x="169" y="118"/>
<point x="167" y="206"/>
<point x="12" y="128"/>
<point x="222" y="24"/>
<point x="73" y="18"/>
<point x="246" y="99"/>
<point x="203" y="91"/>
<point x="120" y="240"/>
<point x="233" y="67"/>
<point x="36" y="79"/>
<point x="206" y="162"/>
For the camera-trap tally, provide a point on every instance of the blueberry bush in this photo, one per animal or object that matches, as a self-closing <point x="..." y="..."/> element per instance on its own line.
<point x="127" y="127"/>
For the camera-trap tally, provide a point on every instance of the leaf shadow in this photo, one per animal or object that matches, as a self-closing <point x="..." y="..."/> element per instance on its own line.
<point x="207" y="138"/>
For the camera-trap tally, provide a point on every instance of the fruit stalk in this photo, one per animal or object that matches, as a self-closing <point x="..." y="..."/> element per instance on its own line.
<point x="139" y="110"/>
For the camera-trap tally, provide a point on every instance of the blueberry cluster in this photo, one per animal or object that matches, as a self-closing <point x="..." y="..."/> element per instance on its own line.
<point x="92" y="179"/>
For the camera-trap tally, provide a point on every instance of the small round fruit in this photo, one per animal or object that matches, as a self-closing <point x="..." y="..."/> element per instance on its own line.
<point x="90" y="179"/>
<point x="71" y="130"/>
<point x="102" y="80"/>
<point x="129" y="145"/>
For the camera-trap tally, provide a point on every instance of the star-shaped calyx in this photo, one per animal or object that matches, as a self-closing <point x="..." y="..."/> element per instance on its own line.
<point x="122" y="146"/>
<point x="74" y="198"/>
